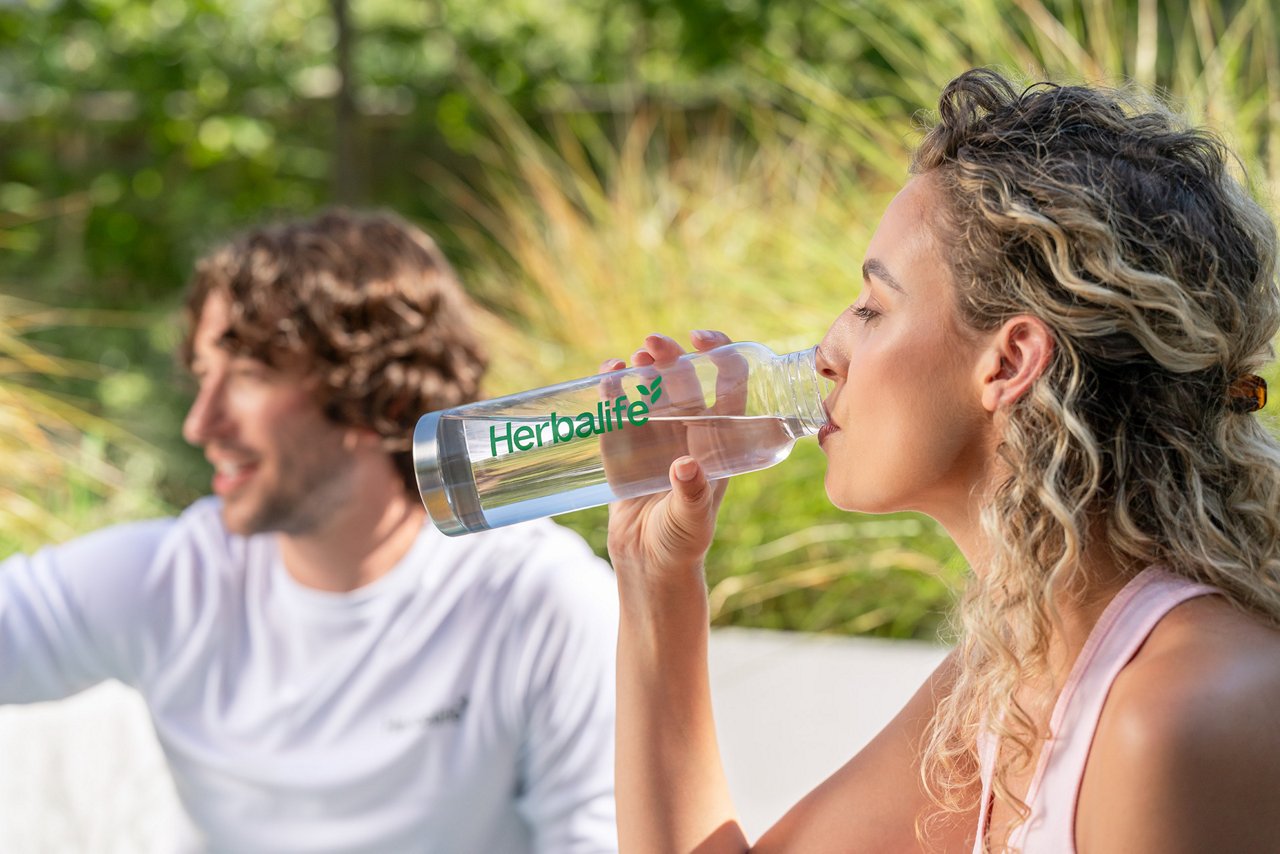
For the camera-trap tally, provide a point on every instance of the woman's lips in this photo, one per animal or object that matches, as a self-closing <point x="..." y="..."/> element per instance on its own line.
<point x="830" y="427"/>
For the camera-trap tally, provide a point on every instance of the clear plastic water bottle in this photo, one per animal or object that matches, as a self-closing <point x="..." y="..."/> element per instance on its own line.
<point x="587" y="442"/>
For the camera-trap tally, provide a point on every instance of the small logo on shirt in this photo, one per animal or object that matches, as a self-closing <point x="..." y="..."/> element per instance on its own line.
<point x="450" y="714"/>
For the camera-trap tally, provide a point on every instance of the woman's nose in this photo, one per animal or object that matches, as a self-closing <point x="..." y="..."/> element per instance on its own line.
<point x="832" y="360"/>
<point x="824" y="366"/>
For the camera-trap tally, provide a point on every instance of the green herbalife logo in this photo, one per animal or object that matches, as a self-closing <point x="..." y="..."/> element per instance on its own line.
<point x="559" y="429"/>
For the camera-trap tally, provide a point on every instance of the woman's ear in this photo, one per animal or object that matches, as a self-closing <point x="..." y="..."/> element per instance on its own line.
<point x="1015" y="357"/>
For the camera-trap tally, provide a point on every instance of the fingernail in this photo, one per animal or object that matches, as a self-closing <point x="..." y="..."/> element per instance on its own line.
<point x="686" y="469"/>
<point x="702" y="333"/>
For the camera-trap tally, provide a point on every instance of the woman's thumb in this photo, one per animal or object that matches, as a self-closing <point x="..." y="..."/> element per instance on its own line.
<point x="690" y="518"/>
<point x="689" y="482"/>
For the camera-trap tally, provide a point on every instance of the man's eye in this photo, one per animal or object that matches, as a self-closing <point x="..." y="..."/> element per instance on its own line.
<point x="247" y="372"/>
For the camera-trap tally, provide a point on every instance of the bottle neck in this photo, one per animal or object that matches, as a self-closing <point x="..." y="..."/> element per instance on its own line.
<point x="803" y="389"/>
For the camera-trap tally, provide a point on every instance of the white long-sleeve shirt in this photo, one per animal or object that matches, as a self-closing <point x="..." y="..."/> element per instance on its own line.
<point x="461" y="703"/>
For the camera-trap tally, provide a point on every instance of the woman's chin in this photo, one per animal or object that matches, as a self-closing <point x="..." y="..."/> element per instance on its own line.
<point x="845" y="497"/>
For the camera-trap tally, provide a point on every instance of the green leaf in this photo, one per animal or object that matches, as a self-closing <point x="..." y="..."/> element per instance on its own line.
<point x="642" y="389"/>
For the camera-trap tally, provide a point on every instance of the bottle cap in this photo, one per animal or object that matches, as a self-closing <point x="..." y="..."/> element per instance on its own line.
<point x="449" y="510"/>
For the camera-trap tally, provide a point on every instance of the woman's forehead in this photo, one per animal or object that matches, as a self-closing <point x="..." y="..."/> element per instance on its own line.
<point x="904" y="243"/>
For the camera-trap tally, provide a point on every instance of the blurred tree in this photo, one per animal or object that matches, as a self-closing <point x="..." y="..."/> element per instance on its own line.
<point x="347" y="168"/>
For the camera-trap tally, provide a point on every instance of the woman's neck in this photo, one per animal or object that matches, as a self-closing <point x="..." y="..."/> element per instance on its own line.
<point x="1093" y="581"/>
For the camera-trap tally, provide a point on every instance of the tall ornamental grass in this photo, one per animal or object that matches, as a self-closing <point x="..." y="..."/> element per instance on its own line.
<point x="750" y="214"/>
<point x="63" y="468"/>
<point x="753" y="219"/>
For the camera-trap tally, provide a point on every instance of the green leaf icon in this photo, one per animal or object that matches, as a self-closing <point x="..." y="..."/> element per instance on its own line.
<point x="656" y="389"/>
<point x="641" y="389"/>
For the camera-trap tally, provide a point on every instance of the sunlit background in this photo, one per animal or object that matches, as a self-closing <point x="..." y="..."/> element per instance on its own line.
<point x="596" y="169"/>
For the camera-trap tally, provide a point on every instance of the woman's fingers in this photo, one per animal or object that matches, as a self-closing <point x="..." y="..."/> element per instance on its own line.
<point x="708" y="339"/>
<point x="664" y="349"/>
<point x="642" y="358"/>
<point x="681" y="390"/>
<point x="610" y="387"/>
<point x="731" y="382"/>
<point x="662" y="353"/>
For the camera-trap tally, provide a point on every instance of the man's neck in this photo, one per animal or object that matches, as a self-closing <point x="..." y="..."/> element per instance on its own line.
<point x="355" y="546"/>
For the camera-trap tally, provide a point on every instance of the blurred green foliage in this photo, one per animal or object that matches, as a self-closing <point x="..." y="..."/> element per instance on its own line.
<point x="685" y="163"/>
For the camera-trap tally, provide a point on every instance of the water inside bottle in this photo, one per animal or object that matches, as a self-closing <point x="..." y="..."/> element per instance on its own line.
<point x="488" y="489"/>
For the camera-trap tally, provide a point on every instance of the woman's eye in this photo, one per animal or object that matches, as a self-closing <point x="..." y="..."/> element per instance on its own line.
<point x="864" y="313"/>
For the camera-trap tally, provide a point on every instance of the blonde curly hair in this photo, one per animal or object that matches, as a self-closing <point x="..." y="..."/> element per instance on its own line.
<point x="1102" y="214"/>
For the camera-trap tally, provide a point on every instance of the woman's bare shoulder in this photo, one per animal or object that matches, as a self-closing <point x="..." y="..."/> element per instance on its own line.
<point x="1207" y="647"/>
<point x="1207" y="665"/>
<point x="1187" y="751"/>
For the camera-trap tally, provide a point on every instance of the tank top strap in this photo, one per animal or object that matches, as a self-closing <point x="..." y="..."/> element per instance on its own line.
<point x="986" y="744"/>
<point x="1123" y="627"/>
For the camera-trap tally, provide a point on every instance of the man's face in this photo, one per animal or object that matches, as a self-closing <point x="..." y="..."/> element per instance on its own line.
<point x="279" y="464"/>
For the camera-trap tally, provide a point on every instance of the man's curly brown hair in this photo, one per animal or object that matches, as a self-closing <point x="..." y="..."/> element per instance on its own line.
<point x="364" y="302"/>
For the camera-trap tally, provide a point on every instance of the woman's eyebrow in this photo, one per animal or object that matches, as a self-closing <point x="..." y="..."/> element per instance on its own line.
<point x="875" y="267"/>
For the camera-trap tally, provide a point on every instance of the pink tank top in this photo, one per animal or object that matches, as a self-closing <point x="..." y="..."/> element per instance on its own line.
<point x="1055" y="785"/>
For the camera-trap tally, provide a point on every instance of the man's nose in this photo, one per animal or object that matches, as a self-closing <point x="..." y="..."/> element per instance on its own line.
<point x="207" y="415"/>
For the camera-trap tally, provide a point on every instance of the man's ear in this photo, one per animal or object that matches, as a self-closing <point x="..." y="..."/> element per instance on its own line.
<point x="360" y="438"/>
<point x="1015" y="356"/>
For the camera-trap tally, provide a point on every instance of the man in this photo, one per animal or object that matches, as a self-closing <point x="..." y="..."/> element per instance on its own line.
<point x="325" y="671"/>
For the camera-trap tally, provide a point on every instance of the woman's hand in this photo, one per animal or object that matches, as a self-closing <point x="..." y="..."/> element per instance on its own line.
<point x="670" y="783"/>
<point x="661" y="539"/>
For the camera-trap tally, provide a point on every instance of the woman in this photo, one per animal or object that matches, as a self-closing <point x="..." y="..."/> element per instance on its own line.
<point x="1053" y="356"/>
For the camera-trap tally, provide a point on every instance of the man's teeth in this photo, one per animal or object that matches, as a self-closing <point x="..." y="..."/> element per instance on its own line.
<point x="231" y="469"/>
